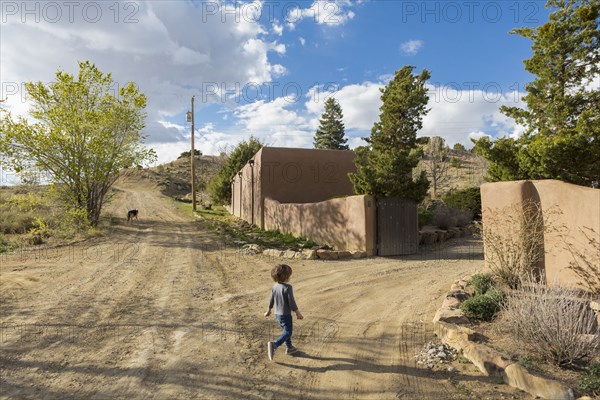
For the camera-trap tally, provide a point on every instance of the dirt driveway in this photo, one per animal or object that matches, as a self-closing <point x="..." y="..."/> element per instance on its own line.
<point x="159" y="309"/>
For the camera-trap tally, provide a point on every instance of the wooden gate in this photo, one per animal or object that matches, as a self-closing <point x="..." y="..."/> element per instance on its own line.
<point x="397" y="227"/>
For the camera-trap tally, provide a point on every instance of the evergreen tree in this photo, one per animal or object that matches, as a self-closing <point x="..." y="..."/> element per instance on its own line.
<point x="384" y="166"/>
<point x="330" y="134"/>
<point x="562" y="119"/>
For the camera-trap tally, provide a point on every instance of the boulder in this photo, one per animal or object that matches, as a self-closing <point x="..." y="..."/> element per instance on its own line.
<point x="428" y="238"/>
<point x="517" y="376"/>
<point x="273" y="253"/>
<point x="459" y="294"/>
<point x="309" y="254"/>
<point x="453" y="335"/>
<point x="327" y="254"/>
<point x="344" y="254"/>
<point x="451" y="303"/>
<point x="451" y="316"/>
<point x="289" y="254"/>
<point x="359" y="254"/>
<point x="251" y="248"/>
<point x="442" y="236"/>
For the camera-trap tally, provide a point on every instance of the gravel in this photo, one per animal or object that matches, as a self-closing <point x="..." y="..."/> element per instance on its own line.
<point x="435" y="354"/>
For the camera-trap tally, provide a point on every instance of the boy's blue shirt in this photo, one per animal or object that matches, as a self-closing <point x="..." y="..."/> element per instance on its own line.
<point x="282" y="297"/>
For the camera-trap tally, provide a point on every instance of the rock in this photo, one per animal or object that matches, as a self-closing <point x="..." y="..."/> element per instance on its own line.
<point x="458" y="294"/>
<point x="428" y="238"/>
<point x="442" y="236"/>
<point x="451" y="316"/>
<point x="289" y="254"/>
<point x="595" y="305"/>
<point x="451" y="303"/>
<point x="453" y="335"/>
<point x="463" y="283"/>
<point x="251" y="248"/>
<point x="359" y="254"/>
<point x="309" y="254"/>
<point x="489" y="361"/>
<point x="327" y="254"/>
<point x="517" y="376"/>
<point x="344" y="254"/>
<point x="273" y="253"/>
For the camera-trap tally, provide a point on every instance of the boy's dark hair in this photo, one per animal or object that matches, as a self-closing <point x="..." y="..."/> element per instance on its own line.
<point x="281" y="273"/>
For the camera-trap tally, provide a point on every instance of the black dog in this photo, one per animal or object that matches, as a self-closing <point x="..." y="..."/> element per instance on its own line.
<point x="131" y="214"/>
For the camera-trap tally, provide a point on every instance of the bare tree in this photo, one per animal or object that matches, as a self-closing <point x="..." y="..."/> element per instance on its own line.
<point x="436" y="161"/>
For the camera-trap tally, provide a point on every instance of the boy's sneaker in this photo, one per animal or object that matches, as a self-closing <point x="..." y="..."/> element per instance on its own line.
<point x="291" y="350"/>
<point x="270" y="350"/>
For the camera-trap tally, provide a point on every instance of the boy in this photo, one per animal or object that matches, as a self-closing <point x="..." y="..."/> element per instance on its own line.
<point x="282" y="297"/>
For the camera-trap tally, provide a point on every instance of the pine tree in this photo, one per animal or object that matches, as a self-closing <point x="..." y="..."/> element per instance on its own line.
<point x="562" y="119"/>
<point x="384" y="167"/>
<point x="330" y="134"/>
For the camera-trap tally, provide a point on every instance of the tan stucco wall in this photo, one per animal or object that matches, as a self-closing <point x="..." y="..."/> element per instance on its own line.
<point x="347" y="223"/>
<point x="292" y="175"/>
<point x="570" y="208"/>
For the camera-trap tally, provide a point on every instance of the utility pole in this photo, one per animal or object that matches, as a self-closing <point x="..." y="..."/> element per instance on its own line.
<point x="193" y="157"/>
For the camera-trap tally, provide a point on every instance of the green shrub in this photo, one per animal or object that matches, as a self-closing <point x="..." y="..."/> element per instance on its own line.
<point x="590" y="381"/>
<point x="483" y="307"/>
<point x="4" y="246"/>
<point x="425" y="216"/>
<point x="481" y="283"/>
<point x="455" y="162"/>
<point x="466" y="199"/>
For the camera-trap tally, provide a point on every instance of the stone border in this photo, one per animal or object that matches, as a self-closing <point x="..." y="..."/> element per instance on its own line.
<point x="447" y="326"/>
<point x="430" y="234"/>
<point x="315" y="254"/>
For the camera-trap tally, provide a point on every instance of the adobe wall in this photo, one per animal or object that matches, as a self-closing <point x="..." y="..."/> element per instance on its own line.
<point x="568" y="208"/>
<point x="291" y="175"/>
<point x="347" y="223"/>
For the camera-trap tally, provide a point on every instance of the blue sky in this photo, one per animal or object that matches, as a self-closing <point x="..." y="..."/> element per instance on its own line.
<point x="298" y="53"/>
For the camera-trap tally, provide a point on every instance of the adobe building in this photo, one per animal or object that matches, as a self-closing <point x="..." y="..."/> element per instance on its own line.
<point x="308" y="193"/>
<point x="290" y="175"/>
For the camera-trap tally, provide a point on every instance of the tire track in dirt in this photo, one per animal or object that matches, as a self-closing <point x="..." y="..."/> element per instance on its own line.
<point x="187" y="319"/>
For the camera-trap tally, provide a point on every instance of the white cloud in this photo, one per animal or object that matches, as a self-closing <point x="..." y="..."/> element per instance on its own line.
<point x="456" y="114"/>
<point x="323" y="12"/>
<point x="170" y="49"/>
<point x="360" y="104"/>
<point x="411" y="47"/>
<point x="277" y="28"/>
<point x="477" y="135"/>
<point x="302" y="40"/>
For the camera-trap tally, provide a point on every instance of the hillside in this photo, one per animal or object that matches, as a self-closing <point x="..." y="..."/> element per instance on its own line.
<point x="174" y="178"/>
<point x="468" y="170"/>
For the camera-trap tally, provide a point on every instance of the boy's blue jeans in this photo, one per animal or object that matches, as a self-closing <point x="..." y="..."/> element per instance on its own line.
<point x="285" y="321"/>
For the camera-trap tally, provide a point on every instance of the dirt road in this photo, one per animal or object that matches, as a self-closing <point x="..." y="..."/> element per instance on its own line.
<point x="159" y="309"/>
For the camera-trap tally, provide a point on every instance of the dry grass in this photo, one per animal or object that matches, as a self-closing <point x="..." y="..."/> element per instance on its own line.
<point x="513" y="238"/>
<point x="554" y="323"/>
